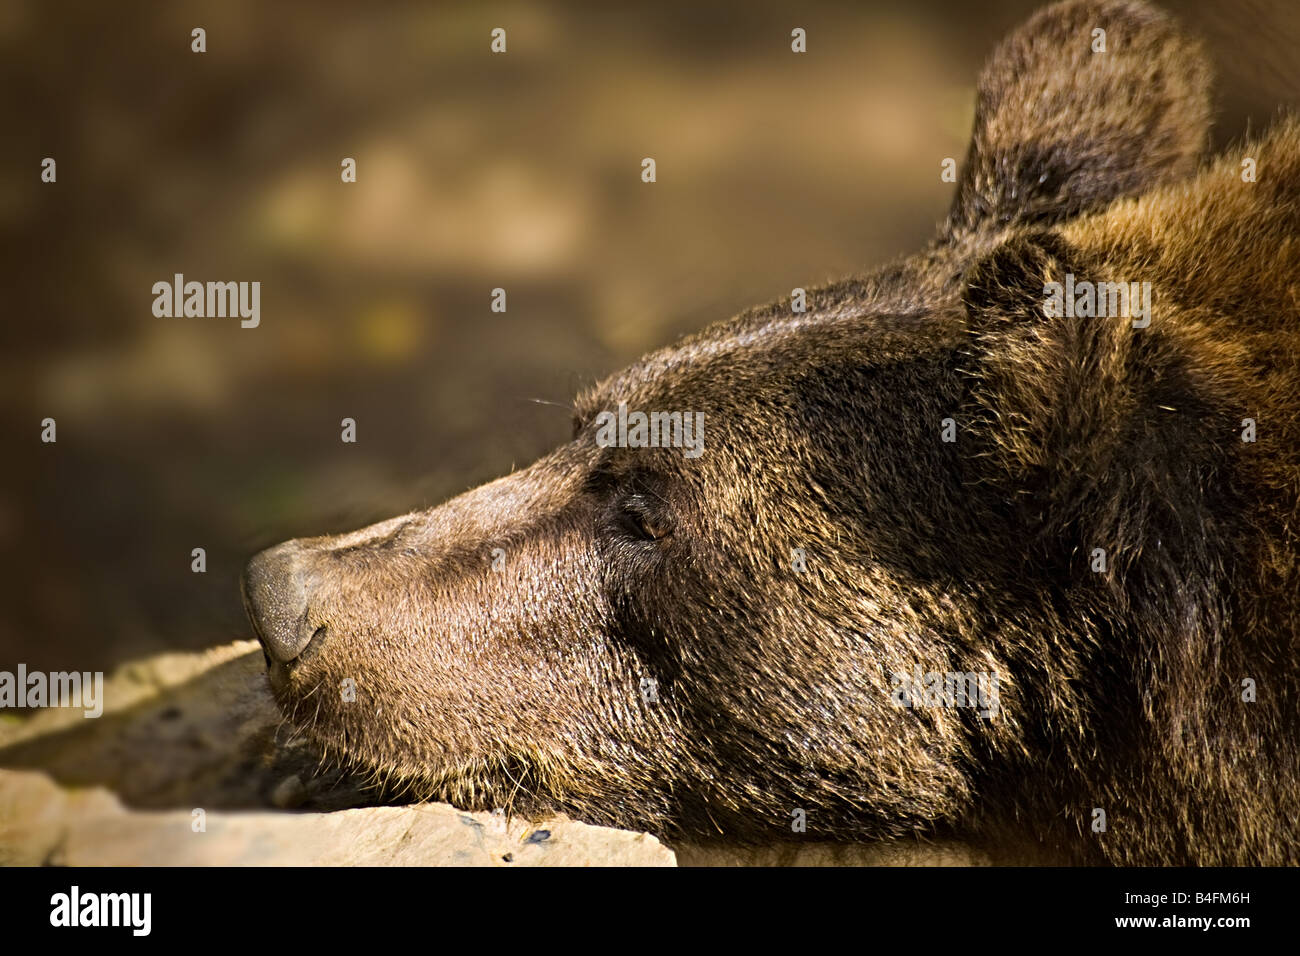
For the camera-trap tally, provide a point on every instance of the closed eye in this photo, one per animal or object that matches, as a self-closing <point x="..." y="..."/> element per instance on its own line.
<point x="644" y="520"/>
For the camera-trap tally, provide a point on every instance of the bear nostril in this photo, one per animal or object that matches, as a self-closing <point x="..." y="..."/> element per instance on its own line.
<point x="313" y="644"/>
<point x="274" y="587"/>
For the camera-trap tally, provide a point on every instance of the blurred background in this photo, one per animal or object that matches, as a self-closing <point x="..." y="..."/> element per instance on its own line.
<point x="474" y="171"/>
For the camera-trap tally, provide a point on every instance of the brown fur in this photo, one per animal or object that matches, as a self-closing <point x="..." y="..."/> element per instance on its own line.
<point x="521" y="686"/>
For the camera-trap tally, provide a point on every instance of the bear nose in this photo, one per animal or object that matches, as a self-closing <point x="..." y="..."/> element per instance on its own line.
<point x="274" y="586"/>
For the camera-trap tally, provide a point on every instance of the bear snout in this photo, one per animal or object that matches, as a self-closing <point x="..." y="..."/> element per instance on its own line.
<point x="276" y="590"/>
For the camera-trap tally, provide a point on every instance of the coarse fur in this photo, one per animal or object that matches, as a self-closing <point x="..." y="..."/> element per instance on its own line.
<point x="627" y="635"/>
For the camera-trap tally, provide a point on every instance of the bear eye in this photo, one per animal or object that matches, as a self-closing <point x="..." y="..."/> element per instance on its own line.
<point x="643" y="521"/>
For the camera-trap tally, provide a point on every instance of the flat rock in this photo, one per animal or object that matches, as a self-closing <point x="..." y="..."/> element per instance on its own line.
<point x="43" y="823"/>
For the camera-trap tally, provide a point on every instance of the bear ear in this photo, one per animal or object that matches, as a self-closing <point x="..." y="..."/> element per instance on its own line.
<point x="1089" y="101"/>
<point x="1087" y="431"/>
<point x="1043" y="387"/>
<point x="1009" y="286"/>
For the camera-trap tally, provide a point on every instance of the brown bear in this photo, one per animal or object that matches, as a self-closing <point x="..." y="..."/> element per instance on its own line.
<point x="999" y="541"/>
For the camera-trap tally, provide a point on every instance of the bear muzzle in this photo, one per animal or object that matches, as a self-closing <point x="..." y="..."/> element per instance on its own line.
<point x="276" y="587"/>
